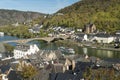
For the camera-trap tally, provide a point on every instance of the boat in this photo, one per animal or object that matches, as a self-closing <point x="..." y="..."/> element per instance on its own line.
<point x="61" y="48"/>
<point x="93" y="47"/>
<point x="66" y="50"/>
<point x="70" y="50"/>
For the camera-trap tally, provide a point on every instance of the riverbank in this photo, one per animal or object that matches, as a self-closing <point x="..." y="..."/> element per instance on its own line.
<point x="111" y="49"/>
<point x="96" y="50"/>
<point x="99" y="47"/>
<point x="102" y="48"/>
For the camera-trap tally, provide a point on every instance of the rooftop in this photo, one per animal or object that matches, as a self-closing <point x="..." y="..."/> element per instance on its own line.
<point x="23" y="47"/>
<point x="80" y="34"/>
<point x="4" y="68"/>
<point x="105" y="35"/>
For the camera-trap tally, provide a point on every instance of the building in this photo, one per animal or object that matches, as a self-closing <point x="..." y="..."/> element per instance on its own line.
<point x="76" y="74"/>
<point x="2" y="51"/>
<point x="81" y="37"/>
<point x="13" y="75"/>
<point x="3" y="77"/>
<point x="1" y="33"/>
<point x="117" y="37"/>
<point x="89" y="28"/>
<point x="4" y="70"/>
<point x="69" y="64"/>
<point x="22" y="50"/>
<point x="56" y="68"/>
<point x="104" y="38"/>
<point x="34" y="30"/>
<point x="49" y="55"/>
<point x="91" y="37"/>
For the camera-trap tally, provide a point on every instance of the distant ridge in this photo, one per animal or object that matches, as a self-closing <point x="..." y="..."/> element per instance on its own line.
<point x="14" y="16"/>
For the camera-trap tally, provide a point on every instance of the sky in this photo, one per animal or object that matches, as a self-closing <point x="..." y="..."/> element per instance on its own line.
<point x="43" y="6"/>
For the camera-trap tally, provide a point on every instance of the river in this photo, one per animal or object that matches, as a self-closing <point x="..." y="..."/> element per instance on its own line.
<point x="80" y="50"/>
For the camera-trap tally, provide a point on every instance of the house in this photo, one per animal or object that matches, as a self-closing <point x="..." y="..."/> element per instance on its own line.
<point x="34" y="30"/>
<point x="117" y="37"/>
<point x="116" y="66"/>
<point x="76" y="74"/>
<point x="81" y="37"/>
<point x="56" y="68"/>
<point x="3" y="77"/>
<point x="44" y="57"/>
<point x="69" y="64"/>
<point x="89" y="28"/>
<point x="13" y="75"/>
<point x="1" y="33"/>
<point x="22" y="50"/>
<point x="104" y="38"/>
<point x="118" y="32"/>
<point x="49" y="55"/>
<point x="50" y="34"/>
<point x="79" y="30"/>
<point x="61" y="76"/>
<point x="16" y="24"/>
<point x="4" y="71"/>
<point x="2" y="51"/>
<point x="91" y="37"/>
<point x="69" y="31"/>
<point x="54" y="34"/>
<point x="63" y="65"/>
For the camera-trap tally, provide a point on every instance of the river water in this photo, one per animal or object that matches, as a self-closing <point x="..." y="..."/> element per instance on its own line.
<point x="80" y="50"/>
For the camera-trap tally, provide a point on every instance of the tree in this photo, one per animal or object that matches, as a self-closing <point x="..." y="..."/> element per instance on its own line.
<point x="101" y="74"/>
<point x="9" y="48"/>
<point x="26" y="70"/>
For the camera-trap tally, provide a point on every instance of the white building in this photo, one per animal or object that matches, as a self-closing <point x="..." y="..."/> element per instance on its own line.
<point x="104" y="38"/>
<point x="117" y="36"/>
<point x="81" y="37"/>
<point x="79" y="30"/>
<point x="3" y="77"/>
<point x="2" y="51"/>
<point x="22" y="50"/>
<point x="1" y="33"/>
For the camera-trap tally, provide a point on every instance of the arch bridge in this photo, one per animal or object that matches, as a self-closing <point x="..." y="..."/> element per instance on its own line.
<point x="48" y="39"/>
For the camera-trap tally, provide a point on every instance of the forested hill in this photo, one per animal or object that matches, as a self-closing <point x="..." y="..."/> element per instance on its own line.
<point x="14" y="16"/>
<point x="105" y="14"/>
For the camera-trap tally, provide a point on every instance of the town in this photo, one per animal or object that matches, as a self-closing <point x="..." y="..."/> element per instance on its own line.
<point x="60" y="40"/>
<point x="28" y="61"/>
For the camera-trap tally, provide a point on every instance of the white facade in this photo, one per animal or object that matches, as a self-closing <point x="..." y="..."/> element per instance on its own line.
<point x="1" y="33"/>
<point x="0" y="55"/>
<point x="33" y="31"/>
<point x="3" y="77"/>
<point x="22" y="54"/>
<point x="85" y="37"/>
<point x="79" y="30"/>
<point x="104" y="40"/>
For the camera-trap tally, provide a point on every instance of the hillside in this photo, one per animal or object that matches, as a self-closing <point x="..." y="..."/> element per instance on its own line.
<point x="14" y="16"/>
<point x="105" y="14"/>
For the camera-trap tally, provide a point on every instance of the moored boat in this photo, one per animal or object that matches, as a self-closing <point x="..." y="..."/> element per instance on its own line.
<point x="67" y="50"/>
